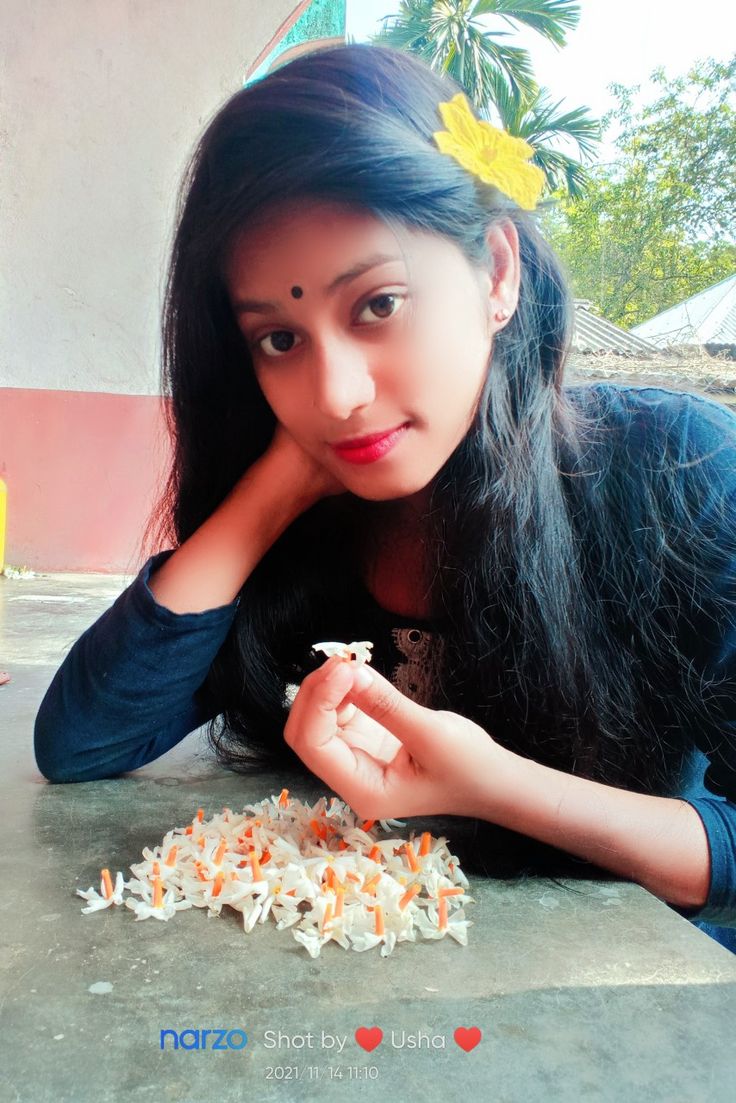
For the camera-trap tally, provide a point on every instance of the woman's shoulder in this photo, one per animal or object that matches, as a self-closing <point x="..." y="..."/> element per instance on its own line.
<point x="695" y="427"/>
<point x="619" y="398"/>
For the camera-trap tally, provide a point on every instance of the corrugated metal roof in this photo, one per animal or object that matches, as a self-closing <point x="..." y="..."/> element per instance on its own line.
<point x="594" y="334"/>
<point x="708" y="318"/>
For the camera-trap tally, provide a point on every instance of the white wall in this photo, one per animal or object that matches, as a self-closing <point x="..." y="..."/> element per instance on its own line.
<point x="103" y="102"/>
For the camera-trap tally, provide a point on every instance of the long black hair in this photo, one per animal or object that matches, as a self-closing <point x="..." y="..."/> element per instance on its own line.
<point x="564" y="552"/>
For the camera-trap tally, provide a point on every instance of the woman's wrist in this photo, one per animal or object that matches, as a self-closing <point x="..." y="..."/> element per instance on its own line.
<point x="658" y="842"/>
<point x="292" y="495"/>
<point x="500" y="775"/>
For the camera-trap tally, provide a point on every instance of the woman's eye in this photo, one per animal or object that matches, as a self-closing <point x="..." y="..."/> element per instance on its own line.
<point x="383" y="306"/>
<point x="282" y="341"/>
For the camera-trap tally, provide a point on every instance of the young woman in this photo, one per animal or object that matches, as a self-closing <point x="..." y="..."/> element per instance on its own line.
<point x="547" y="572"/>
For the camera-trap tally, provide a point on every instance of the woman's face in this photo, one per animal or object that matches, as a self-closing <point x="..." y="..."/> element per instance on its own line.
<point x="355" y="332"/>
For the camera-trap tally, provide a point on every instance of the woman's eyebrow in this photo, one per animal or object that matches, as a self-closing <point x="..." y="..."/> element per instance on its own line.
<point x="258" y="306"/>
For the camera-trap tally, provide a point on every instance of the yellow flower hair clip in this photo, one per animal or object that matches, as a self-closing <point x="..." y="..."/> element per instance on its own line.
<point x="491" y="154"/>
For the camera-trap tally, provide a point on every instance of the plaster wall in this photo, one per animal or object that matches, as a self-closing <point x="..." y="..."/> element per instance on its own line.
<point x="103" y="105"/>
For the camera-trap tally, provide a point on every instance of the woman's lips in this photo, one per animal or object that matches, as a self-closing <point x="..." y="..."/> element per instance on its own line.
<point x="368" y="453"/>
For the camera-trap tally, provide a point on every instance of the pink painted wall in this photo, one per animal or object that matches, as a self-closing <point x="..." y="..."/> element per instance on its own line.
<point x="82" y="470"/>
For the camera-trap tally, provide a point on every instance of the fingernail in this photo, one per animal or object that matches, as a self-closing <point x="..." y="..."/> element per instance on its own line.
<point x="332" y="671"/>
<point x="362" y="678"/>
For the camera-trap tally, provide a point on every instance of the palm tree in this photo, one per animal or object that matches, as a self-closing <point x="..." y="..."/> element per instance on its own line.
<point x="447" y="35"/>
<point x="540" y="122"/>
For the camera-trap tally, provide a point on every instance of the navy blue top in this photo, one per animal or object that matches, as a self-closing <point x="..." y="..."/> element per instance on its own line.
<point x="108" y="709"/>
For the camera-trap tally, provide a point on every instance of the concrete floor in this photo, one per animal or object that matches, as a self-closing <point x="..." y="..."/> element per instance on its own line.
<point x="585" y="989"/>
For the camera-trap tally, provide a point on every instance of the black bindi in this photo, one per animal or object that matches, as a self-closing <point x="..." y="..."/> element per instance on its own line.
<point x="297" y="292"/>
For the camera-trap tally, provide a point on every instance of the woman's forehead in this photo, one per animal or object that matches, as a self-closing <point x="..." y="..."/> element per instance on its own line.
<point x="288" y="239"/>
<point x="285" y="221"/>
<point x="314" y="236"/>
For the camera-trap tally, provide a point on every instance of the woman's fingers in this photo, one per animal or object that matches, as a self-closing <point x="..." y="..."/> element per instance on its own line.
<point x="409" y="722"/>
<point x="359" y="730"/>
<point x="345" y="713"/>
<point x="365" y="735"/>
<point x="377" y="761"/>
<point x="393" y="757"/>
<point x="313" y="733"/>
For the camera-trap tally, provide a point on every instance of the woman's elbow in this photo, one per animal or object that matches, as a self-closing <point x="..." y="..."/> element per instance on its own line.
<point x="55" y="767"/>
<point x="56" y="758"/>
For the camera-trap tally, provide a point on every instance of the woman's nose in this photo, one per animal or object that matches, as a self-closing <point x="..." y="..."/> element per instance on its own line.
<point x="341" y="380"/>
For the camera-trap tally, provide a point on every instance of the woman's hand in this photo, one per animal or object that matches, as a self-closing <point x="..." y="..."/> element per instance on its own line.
<point x="387" y="756"/>
<point x="296" y="468"/>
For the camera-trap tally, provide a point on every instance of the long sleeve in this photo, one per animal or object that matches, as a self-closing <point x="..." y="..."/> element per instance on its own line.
<point x="717" y="917"/>
<point x="711" y="791"/>
<point x="708" y="434"/>
<point x="719" y="819"/>
<point x="130" y="687"/>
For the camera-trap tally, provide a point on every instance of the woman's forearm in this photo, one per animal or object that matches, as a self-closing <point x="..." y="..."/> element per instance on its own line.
<point x="659" y="842"/>
<point x="209" y="568"/>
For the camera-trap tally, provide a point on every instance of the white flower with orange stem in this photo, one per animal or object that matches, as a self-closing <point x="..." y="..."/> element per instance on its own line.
<point x="161" y="862"/>
<point x="155" y="903"/>
<point x="360" y="650"/>
<point x="439" y="921"/>
<point x="108" y="895"/>
<point x="326" y="922"/>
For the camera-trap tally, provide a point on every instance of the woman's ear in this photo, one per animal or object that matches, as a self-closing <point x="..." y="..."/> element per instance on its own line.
<point x="503" y="293"/>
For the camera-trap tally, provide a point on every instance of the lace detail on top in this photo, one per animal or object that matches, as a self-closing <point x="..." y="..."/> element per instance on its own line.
<point x="418" y="671"/>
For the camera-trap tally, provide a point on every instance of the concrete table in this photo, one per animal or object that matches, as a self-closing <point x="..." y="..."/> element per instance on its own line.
<point x="582" y="989"/>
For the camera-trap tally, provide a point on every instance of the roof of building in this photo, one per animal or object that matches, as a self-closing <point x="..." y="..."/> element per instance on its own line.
<point x="708" y="318"/>
<point x="594" y="334"/>
<point x="601" y="350"/>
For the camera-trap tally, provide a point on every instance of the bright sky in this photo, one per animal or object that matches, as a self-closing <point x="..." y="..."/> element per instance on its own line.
<point x="615" y="41"/>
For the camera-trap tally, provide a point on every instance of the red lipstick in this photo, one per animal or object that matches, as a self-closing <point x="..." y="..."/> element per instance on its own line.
<point x="370" y="448"/>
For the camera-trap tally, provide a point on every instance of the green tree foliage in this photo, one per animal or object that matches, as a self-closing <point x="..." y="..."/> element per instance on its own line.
<point x="497" y="76"/>
<point x="448" y="35"/>
<point x="656" y="226"/>
<point x="542" y="124"/>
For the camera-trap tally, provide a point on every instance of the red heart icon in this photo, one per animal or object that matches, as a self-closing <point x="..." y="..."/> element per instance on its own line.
<point x="467" y="1037"/>
<point x="369" y="1037"/>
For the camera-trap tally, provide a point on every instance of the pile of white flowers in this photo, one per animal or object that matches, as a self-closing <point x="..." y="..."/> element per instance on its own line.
<point x="316" y="869"/>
